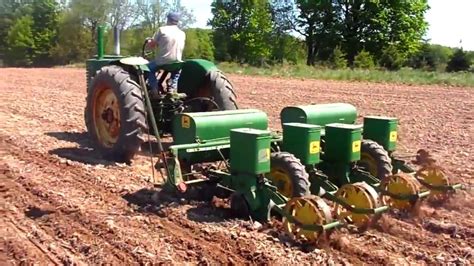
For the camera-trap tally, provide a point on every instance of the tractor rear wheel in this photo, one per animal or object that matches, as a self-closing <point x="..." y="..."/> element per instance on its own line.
<point x="218" y="88"/>
<point x="115" y="113"/>
<point x="288" y="175"/>
<point x="375" y="159"/>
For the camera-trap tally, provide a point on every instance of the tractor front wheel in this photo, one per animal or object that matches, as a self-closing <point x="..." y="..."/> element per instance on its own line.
<point x="115" y="113"/>
<point x="289" y="175"/>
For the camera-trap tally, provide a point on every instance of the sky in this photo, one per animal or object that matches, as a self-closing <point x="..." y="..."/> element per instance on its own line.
<point x="450" y="21"/>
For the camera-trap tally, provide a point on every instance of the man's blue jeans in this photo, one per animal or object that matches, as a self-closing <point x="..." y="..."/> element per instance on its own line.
<point x="152" y="80"/>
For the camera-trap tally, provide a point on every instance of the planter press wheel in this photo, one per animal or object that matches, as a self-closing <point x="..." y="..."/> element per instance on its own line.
<point x="435" y="176"/>
<point x="400" y="184"/>
<point x="359" y="195"/>
<point x="308" y="210"/>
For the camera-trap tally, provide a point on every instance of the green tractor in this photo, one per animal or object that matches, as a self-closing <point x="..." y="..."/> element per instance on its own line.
<point x="116" y="114"/>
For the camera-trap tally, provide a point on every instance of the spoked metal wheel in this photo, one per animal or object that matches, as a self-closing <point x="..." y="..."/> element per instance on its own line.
<point x="358" y="195"/>
<point x="308" y="210"/>
<point x="435" y="176"/>
<point x="400" y="184"/>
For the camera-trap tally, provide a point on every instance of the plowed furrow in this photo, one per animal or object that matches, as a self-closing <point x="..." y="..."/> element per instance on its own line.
<point x="79" y="179"/>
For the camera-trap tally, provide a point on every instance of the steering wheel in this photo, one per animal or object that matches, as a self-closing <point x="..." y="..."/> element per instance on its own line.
<point x="146" y="53"/>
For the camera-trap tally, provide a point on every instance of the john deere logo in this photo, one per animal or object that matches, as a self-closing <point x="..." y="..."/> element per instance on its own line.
<point x="185" y="121"/>
<point x="356" y="146"/>
<point x="263" y="155"/>
<point x="393" y="136"/>
<point x="314" y="147"/>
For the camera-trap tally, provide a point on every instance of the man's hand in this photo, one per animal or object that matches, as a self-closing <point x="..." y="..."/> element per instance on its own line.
<point x="150" y="43"/>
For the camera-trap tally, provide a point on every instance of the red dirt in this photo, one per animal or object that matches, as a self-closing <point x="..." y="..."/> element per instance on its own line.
<point x="61" y="203"/>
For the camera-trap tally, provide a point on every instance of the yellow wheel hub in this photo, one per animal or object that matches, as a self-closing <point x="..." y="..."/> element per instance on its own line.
<point x="358" y="195"/>
<point x="403" y="185"/>
<point x="435" y="176"/>
<point x="106" y="114"/>
<point x="308" y="210"/>
<point x="282" y="180"/>
<point x="370" y="163"/>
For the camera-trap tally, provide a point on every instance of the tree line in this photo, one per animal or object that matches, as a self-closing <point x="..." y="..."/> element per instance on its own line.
<point x="333" y="33"/>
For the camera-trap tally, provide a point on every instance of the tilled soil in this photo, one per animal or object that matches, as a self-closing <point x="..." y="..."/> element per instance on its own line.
<point x="61" y="203"/>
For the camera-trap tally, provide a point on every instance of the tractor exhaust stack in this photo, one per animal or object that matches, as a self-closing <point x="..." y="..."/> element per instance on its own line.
<point x="100" y="42"/>
<point x="117" y="40"/>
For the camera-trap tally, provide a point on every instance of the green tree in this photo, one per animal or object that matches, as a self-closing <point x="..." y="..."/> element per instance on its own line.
<point x="10" y="11"/>
<point x="364" y="60"/>
<point x="359" y="25"/>
<point x="20" y="44"/>
<point x="317" y="21"/>
<point x="199" y="44"/>
<point x="458" y="62"/>
<point x="153" y="13"/>
<point x="338" y="59"/>
<point x="255" y="37"/>
<point x="74" y="42"/>
<point x="242" y="30"/>
<point x="44" y="28"/>
<point x="431" y="57"/>
<point x="287" y="48"/>
<point x="91" y="13"/>
<point x="392" y="58"/>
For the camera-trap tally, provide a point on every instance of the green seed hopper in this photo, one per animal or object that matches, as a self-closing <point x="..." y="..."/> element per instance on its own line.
<point x="240" y="141"/>
<point x="355" y="154"/>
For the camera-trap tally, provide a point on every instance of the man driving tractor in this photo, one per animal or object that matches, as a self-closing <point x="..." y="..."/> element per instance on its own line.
<point x="170" y="41"/>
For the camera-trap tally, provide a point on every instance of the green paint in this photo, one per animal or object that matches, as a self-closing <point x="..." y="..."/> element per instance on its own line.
<point x="206" y="126"/>
<point x="100" y="42"/>
<point x="93" y="65"/>
<point x="193" y="74"/>
<point x="249" y="151"/>
<point x="303" y="141"/>
<point x="382" y="130"/>
<point x="342" y="143"/>
<point x="319" y="114"/>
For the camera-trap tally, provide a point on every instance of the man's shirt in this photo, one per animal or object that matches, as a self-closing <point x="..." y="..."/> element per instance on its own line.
<point x="170" y="41"/>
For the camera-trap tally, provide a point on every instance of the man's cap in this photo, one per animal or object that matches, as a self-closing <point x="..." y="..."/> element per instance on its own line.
<point x="173" y="17"/>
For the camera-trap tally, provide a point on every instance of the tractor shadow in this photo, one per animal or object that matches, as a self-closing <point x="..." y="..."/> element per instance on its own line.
<point x="205" y="211"/>
<point x="84" y="153"/>
<point x="162" y="203"/>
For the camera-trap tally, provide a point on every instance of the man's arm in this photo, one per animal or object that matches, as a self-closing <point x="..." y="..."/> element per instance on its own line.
<point x="153" y="42"/>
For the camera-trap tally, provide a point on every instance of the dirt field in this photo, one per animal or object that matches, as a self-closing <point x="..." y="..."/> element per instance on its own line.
<point x="61" y="203"/>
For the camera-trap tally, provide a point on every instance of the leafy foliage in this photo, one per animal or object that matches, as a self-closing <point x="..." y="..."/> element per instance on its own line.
<point x="458" y="62"/>
<point x="359" y="25"/>
<point x="199" y="44"/>
<point x="338" y="59"/>
<point x="364" y="60"/>
<point x="74" y="42"/>
<point x="360" y="34"/>
<point x="44" y="29"/>
<point x="20" y="45"/>
<point x="431" y="57"/>
<point x="392" y="58"/>
<point x="242" y="30"/>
